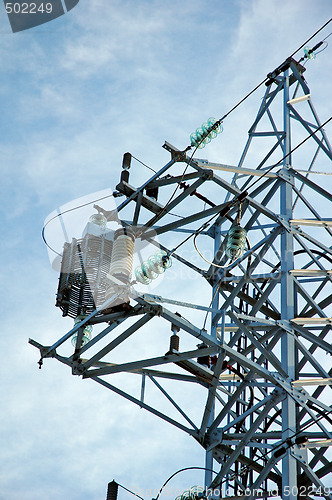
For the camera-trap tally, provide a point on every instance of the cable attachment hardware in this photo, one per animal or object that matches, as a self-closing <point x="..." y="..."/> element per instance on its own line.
<point x="206" y="133"/>
<point x="310" y="53"/>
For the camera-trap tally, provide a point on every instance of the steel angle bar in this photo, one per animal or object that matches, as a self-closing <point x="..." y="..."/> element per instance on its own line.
<point x="275" y="186"/>
<point x="144" y="363"/>
<point x="313" y="347"/>
<point x="157" y="298"/>
<point x="182" y="222"/>
<point x="269" y="356"/>
<point x="117" y="341"/>
<point x="268" y="134"/>
<point x="275" y="398"/>
<point x="327" y="142"/>
<point x="137" y="208"/>
<point x="172" y="376"/>
<point x="311" y="359"/>
<point x="318" y="457"/>
<point x="313" y="381"/>
<point x="244" y="415"/>
<point x="306" y="295"/>
<point x="262" y="477"/>
<point x="318" y="222"/>
<point x="324" y="471"/>
<point x="257" y="369"/>
<point x="236" y="191"/>
<point x="185" y="325"/>
<point x="101" y="335"/>
<point x="154" y="373"/>
<point x="147" y="407"/>
<point x="169" y="206"/>
<point x="64" y="360"/>
<point x="263" y="297"/>
<point x="258" y="278"/>
<point x="230" y="168"/>
<point x="209" y="407"/>
<point x="311" y="208"/>
<point x="316" y="341"/>
<point x="121" y="315"/>
<point x="320" y="404"/>
<point x="71" y="332"/>
<point x="266" y="102"/>
<point x="311" y="184"/>
<point x="308" y="128"/>
<point x="301" y="81"/>
<point x="171" y="400"/>
<point x="323" y="490"/>
<point x="165" y="181"/>
<point x="134" y="195"/>
<point x="226" y="409"/>
<point x="307" y="236"/>
<point x="265" y="244"/>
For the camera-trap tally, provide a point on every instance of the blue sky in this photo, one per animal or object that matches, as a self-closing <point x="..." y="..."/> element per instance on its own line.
<point x="106" y="78"/>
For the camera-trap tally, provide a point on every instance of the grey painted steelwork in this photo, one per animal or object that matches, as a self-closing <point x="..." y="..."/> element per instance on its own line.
<point x="264" y="363"/>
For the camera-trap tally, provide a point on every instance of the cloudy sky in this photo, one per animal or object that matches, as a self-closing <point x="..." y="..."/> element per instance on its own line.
<point x="108" y="77"/>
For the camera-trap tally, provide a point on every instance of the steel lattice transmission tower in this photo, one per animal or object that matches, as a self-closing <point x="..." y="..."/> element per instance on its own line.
<point x="263" y="368"/>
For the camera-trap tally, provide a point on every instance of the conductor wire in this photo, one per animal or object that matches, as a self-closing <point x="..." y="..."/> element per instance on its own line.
<point x="288" y="154"/>
<point x="218" y="122"/>
<point x="65" y="212"/>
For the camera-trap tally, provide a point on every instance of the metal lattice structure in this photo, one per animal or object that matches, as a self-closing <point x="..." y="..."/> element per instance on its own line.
<point x="263" y="368"/>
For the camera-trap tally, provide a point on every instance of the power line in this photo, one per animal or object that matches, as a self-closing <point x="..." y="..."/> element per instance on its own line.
<point x="218" y="122"/>
<point x="288" y="154"/>
<point x="65" y="212"/>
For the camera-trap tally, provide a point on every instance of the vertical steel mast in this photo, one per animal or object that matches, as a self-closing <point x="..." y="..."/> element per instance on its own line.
<point x="260" y="376"/>
<point x="287" y="310"/>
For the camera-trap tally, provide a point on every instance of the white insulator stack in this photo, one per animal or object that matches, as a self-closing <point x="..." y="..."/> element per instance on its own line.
<point x="121" y="264"/>
<point x="122" y="254"/>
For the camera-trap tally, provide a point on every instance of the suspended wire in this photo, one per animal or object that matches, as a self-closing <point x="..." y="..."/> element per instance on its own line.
<point x="65" y="212"/>
<point x="198" y="231"/>
<point x="326" y="37"/>
<point x="218" y="122"/>
<point x="312" y="36"/>
<point x="147" y="166"/>
<point x="206" y="260"/>
<point x="178" y="472"/>
<point x="288" y="154"/>
<point x="132" y="492"/>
